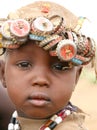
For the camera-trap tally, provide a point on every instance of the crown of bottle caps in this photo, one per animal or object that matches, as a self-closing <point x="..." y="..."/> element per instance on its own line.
<point x="5" y="29"/>
<point x="20" y="28"/>
<point x="66" y="50"/>
<point x="42" y="24"/>
<point x="52" y="33"/>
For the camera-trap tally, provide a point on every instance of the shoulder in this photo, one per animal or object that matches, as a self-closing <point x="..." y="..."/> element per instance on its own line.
<point x="75" y="121"/>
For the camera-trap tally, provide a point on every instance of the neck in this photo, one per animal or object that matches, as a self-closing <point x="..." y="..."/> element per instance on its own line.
<point x="27" y="124"/>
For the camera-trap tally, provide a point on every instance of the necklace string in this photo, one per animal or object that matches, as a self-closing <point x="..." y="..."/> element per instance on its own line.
<point x="50" y="124"/>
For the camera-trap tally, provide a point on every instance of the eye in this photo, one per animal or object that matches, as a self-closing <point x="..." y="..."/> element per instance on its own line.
<point x="61" y="66"/>
<point x="24" y="65"/>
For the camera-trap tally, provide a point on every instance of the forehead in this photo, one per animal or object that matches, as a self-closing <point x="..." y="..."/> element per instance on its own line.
<point x="30" y="49"/>
<point x="33" y="53"/>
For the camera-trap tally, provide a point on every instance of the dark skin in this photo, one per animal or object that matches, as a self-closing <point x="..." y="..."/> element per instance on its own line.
<point x="36" y="83"/>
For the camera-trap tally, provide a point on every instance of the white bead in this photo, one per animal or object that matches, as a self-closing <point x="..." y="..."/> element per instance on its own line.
<point x="16" y="127"/>
<point x="67" y="112"/>
<point x="47" y="128"/>
<point x="15" y="114"/>
<point x="54" y="117"/>
<point x="11" y="126"/>
<point x="58" y="120"/>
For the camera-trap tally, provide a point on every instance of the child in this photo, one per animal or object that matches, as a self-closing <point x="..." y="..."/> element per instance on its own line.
<point x="44" y="55"/>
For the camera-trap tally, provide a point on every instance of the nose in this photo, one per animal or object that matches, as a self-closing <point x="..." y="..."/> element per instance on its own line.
<point x="41" y="77"/>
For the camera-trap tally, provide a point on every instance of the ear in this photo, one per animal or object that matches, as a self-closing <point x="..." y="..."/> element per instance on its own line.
<point x="78" y="73"/>
<point x="2" y="73"/>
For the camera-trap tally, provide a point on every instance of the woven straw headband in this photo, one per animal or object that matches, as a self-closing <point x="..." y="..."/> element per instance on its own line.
<point x="53" y="27"/>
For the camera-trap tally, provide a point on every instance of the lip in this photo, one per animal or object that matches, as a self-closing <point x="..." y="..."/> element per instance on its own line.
<point x="39" y="99"/>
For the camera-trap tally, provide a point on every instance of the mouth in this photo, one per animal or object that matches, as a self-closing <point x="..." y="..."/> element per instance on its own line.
<point x="39" y="99"/>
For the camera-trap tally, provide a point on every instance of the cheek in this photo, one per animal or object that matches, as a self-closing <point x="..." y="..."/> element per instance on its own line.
<point x="62" y="97"/>
<point x="68" y="82"/>
<point x="14" y="91"/>
<point x="15" y="88"/>
<point x="63" y="90"/>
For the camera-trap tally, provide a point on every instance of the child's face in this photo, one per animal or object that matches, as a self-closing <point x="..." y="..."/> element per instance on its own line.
<point x="36" y="82"/>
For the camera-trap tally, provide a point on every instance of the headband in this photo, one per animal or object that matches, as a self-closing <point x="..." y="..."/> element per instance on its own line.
<point x="51" y="33"/>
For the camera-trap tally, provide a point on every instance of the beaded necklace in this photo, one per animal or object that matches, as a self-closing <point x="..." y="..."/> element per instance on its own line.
<point x="50" y="124"/>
